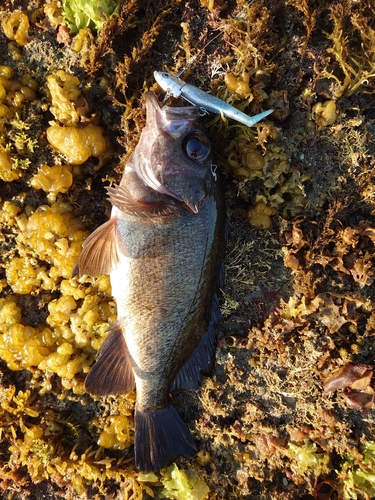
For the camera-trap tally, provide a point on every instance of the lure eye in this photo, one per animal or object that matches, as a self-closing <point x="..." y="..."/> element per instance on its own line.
<point x="197" y="147"/>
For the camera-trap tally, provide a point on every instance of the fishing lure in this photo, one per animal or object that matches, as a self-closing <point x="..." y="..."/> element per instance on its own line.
<point x="176" y="87"/>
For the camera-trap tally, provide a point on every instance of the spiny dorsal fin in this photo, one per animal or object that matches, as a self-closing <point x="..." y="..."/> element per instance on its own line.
<point x="100" y="253"/>
<point x="112" y="372"/>
<point x="121" y="198"/>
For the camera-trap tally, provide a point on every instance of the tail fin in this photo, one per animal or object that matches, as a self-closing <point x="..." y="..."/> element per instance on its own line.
<point x="158" y="434"/>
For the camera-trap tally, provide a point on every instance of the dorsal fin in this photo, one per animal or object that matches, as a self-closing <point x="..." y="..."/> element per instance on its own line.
<point x="121" y="198"/>
<point x="112" y="372"/>
<point x="100" y="253"/>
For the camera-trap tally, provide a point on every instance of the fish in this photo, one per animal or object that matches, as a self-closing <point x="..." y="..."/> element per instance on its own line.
<point x="176" y="87"/>
<point x="163" y="247"/>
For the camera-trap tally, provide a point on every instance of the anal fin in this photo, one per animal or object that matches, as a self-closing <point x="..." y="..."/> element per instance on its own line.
<point x="112" y="372"/>
<point x="202" y="358"/>
<point x="100" y="251"/>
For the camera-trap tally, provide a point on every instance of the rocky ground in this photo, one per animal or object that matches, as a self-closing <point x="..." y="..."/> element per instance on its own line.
<point x="289" y="409"/>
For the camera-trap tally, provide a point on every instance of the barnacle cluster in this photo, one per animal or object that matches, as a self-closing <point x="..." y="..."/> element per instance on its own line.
<point x="282" y="187"/>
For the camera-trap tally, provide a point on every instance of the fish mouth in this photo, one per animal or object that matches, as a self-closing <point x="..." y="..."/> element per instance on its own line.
<point x="173" y="120"/>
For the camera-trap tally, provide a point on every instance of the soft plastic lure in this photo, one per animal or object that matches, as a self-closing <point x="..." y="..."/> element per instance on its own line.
<point x="176" y="87"/>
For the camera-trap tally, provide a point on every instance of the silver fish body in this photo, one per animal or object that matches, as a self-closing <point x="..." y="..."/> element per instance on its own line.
<point x="163" y="247"/>
<point x="177" y="87"/>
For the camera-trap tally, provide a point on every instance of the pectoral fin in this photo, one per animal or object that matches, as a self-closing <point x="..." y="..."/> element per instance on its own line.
<point x="112" y="372"/>
<point x="121" y="198"/>
<point x="100" y="251"/>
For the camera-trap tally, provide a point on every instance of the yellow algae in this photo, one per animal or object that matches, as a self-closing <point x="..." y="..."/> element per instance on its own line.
<point x="53" y="11"/>
<point x="22" y="347"/>
<point x="10" y="313"/>
<point x="67" y="104"/>
<point x="239" y="85"/>
<point x="16" y="142"/>
<point x="308" y="458"/>
<point x="16" y="27"/>
<point x="52" y="180"/>
<point x="22" y="276"/>
<point x="260" y="215"/>
<point x="117" y="433"/>
<point x="6" y="72"/>
<point x="78" y="144"/>
<point x="324" y="113"/>
<point x="60" y="311"/>
<point x="282" y="187"/>
<point x="8" y="172"/>
<point x="84" y="43"/>
<point x="62" y="348"/>
<point x="49" y="243"/>
<point x="70" y="287"/>
<point x="56" y="236"/>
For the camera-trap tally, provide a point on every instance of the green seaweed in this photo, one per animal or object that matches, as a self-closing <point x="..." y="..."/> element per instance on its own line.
<point x="79" y="14"/>
<point x="183" y="484"/>
<point x="360" y="478"/>
<point x="308" y="458"/>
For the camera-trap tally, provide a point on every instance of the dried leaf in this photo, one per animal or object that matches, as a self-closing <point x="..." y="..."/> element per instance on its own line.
<point x="331" y="316"/>
<point x="360" y="400"/>
<point x="346" y="376"/>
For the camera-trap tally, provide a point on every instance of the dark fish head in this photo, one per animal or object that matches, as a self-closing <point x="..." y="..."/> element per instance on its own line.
<point x="173" y="154"/>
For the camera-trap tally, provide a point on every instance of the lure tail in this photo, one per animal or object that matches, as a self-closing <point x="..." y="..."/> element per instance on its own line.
<point x="213" y="104"/>
<point x="158" y="434"/>
<point x="176" y="87"/>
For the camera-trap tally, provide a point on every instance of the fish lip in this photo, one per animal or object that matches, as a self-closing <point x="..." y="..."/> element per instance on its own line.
<point x="171" y="119"/>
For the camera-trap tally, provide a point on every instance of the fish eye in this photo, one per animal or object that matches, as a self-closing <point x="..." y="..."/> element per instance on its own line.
<point x="197" y="146"/>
